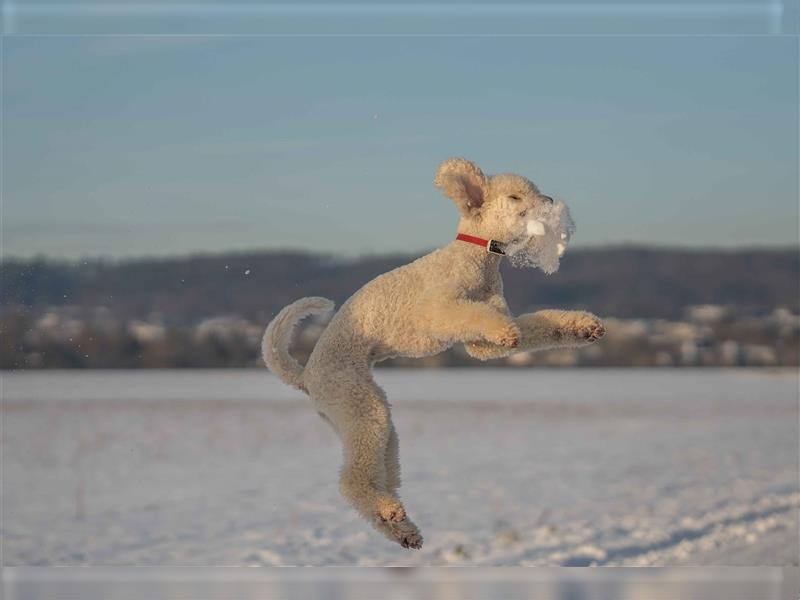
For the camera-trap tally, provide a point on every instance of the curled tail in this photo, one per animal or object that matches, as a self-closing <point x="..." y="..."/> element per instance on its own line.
<point x="275" y="343"/>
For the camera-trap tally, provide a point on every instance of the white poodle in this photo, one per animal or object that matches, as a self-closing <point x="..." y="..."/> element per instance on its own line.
<point x="452" y="295"/>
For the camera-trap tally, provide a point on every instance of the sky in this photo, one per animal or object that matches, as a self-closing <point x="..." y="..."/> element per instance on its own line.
<point x="131" y="146"/>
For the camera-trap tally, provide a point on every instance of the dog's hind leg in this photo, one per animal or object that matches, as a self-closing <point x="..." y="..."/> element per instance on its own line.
<point x="363" y="419"/>
<point x="392" y="461"/>
<point x="405" y="531"/>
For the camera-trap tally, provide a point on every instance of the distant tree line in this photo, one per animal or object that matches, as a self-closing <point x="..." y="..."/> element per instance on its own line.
<point x="623" y="282"/>
<point x="209" y="310"/>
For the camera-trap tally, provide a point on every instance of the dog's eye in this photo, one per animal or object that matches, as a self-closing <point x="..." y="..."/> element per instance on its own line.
<point x="515" y="197"/>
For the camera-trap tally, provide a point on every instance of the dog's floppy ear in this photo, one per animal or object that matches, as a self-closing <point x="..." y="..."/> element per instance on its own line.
<point x="464" y="183"/>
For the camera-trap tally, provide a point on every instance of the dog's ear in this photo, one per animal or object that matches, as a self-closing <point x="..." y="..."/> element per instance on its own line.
<point x="464" y="183"/>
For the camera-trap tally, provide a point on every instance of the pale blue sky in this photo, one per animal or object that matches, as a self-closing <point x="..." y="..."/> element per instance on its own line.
<point x="128" y="146"/>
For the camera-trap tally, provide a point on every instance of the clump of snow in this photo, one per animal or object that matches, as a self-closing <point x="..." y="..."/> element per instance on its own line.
<point x="535" y="227"/>
<point x="547" y="237"/>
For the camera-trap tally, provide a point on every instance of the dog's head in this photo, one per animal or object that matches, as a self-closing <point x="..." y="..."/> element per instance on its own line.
<point x="510" y="209"/>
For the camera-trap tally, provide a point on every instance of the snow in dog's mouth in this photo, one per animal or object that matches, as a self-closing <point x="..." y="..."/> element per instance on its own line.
<point x="544" y="240"/>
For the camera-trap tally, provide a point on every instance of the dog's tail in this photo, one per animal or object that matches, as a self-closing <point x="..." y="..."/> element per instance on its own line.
<point x="275" y="343"/>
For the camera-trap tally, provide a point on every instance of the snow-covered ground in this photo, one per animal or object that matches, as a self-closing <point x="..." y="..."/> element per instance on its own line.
<point x="501" y="467"/>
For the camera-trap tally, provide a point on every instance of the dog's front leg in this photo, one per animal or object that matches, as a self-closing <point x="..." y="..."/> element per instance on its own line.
<point x="446" y="315"/>
<point x="543" y="330"/>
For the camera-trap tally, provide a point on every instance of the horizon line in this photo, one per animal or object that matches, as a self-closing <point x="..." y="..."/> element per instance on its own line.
<point x="582" y="249"/>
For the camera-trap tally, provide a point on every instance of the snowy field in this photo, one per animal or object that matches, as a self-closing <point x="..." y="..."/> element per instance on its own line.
<point x="501" y="467"/>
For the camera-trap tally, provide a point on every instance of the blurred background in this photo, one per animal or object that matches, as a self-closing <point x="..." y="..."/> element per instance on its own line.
<point x="165" y="196"/>
<point x="174" y="174"/>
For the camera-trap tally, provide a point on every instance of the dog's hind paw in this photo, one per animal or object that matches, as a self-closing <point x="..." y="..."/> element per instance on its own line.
<point x="412" y="540"/>
<point x="403" y="532"/>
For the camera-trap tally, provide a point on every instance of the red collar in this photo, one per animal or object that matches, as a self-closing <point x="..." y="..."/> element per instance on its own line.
<point x="492" y="246"/>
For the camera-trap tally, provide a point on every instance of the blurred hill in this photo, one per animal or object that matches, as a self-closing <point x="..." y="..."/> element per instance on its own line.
<point x="622" y="282"/>
<point x="661" y="306"/>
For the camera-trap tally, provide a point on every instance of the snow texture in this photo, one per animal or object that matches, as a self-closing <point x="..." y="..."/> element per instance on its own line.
<point x="501" y="467"/>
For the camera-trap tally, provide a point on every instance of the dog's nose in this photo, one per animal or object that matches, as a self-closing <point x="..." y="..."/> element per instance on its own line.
<point x="548" y="199"/>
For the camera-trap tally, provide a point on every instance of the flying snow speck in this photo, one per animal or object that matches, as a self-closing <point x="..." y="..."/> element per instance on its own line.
<point x="247" y="272"/>
<point x="375" y="117"/>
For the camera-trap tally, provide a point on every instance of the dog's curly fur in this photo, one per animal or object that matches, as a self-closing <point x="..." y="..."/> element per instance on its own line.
<point x="452" y="295"/>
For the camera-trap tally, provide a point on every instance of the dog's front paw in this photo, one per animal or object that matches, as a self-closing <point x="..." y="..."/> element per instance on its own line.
<point x="507" y="337"/>
<point x="586" y="328"/>
<point x="595" y="332"/>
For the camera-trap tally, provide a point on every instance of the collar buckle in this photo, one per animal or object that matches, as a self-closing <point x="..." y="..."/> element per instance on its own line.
<point x="495" y="247"/>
